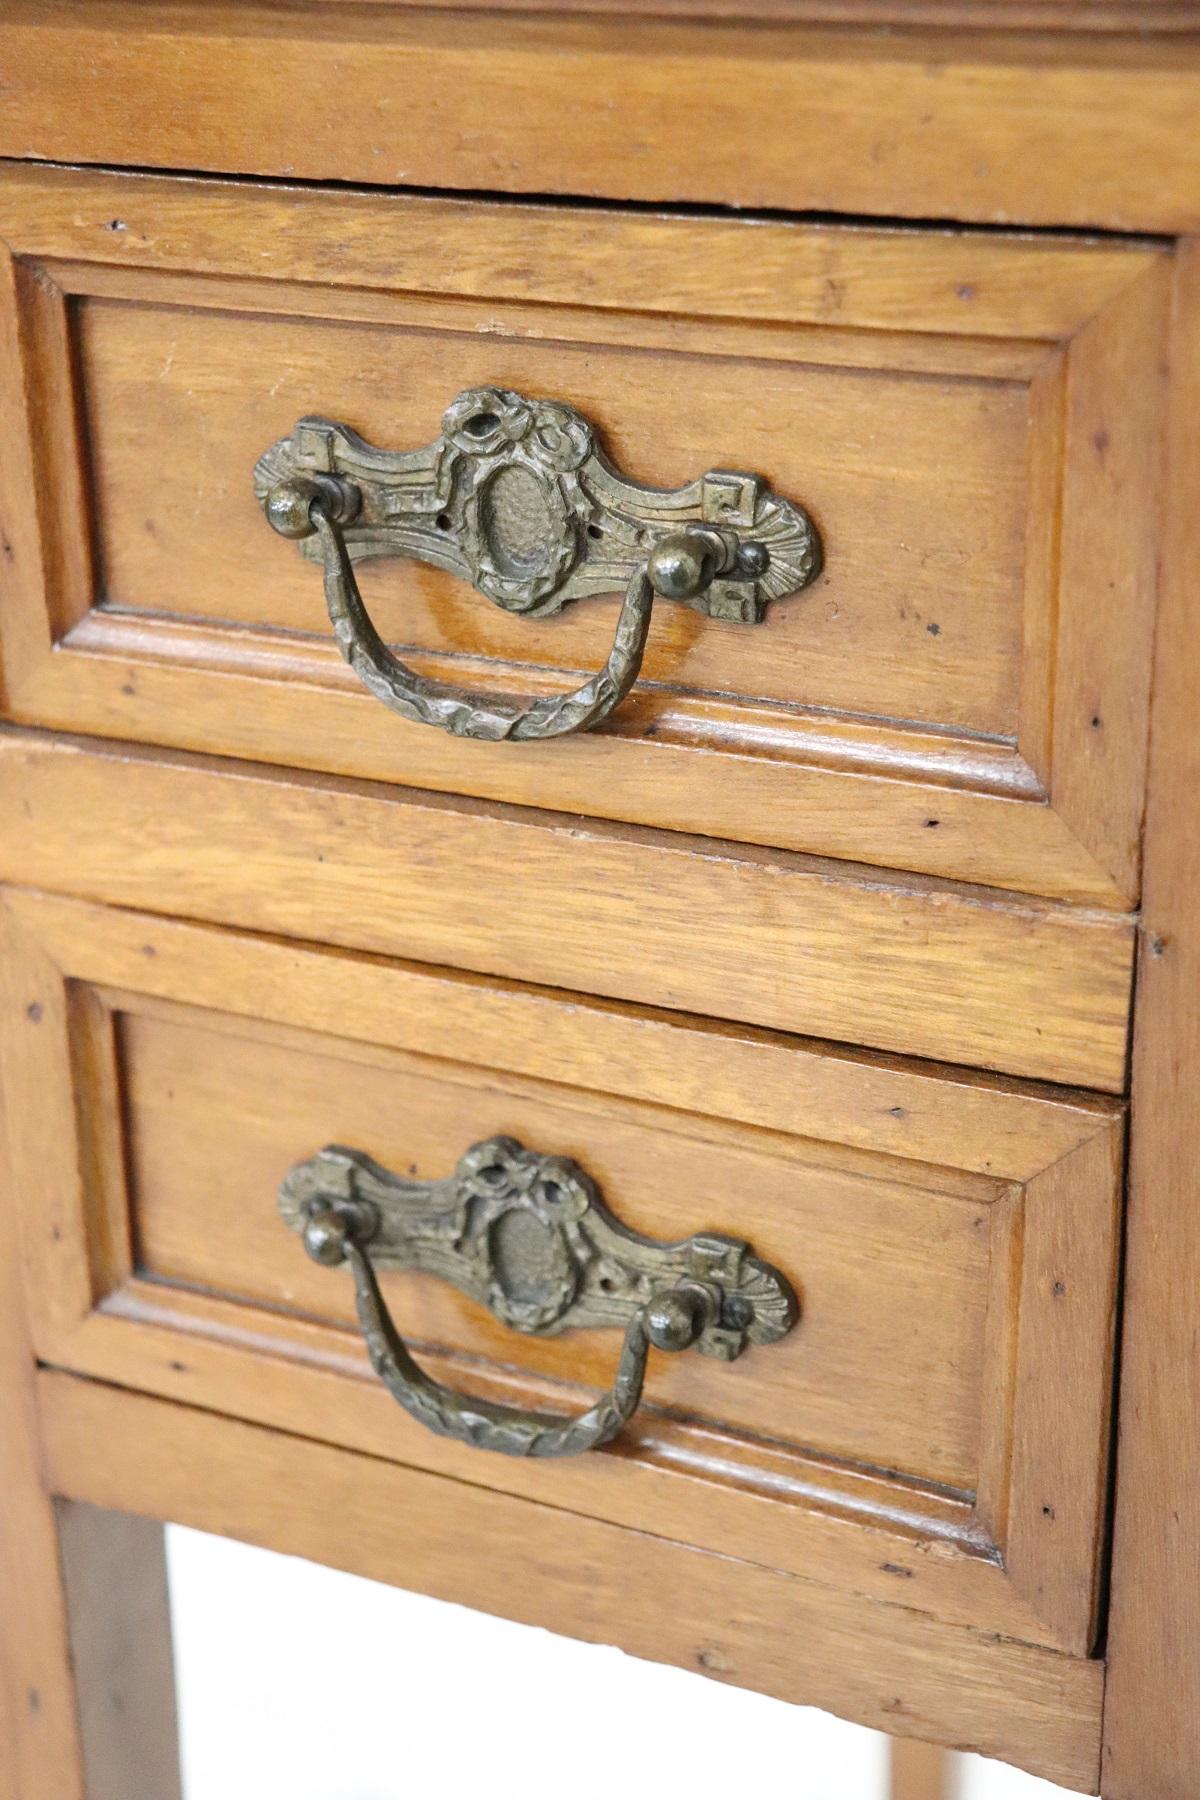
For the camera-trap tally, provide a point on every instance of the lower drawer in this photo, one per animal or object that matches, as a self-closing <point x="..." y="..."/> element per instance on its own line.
<point x="915" y="1473"/>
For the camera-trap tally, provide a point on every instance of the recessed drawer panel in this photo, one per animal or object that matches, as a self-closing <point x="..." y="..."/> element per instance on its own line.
<point x="970" y="422"/>
<point x="950" y="1242"/>
<point x="876" y="1248"/>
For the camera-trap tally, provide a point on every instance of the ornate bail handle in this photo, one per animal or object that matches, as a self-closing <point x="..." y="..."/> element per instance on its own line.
<point x="529" y="1236"/>
<point x="516" y="497"/>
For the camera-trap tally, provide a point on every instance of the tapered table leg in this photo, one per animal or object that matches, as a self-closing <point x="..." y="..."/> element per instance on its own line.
<point x="919" y="1771"/>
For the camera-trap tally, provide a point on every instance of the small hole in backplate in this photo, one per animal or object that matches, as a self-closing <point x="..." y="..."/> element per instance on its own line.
<point x="595" y="531"/>
<point x="607" y="1285"/>
<point x="480" y="424"/>
<point x="442" y="521"/>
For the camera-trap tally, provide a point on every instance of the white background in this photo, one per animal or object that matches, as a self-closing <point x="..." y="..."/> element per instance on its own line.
<point x="299" y="1683"/>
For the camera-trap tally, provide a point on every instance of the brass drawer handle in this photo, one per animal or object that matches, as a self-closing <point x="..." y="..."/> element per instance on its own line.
<point x="529" y="1236"/>
<point x="516" y="497"/>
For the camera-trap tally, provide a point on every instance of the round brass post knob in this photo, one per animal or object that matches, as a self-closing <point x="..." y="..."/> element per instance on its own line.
<point x="289" y="505"/>
<point x="684" y="563"/>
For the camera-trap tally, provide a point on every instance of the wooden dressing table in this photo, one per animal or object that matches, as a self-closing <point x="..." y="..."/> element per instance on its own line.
<point x="598" y="625"/>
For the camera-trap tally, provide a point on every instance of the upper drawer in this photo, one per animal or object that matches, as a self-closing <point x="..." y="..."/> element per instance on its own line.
<point x="971" y="421"/>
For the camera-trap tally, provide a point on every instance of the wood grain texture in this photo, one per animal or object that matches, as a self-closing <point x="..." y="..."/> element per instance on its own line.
<point x="785" y="1637"/>
<point x="1055" y="1522"/>
<point x="987" y="1125"/>
<point x="1112" y="488"/>
<point x="962" y="693"/>
<point x="41" y="1757"/>
<point x="1041" y="128"/>
<point x="919" y="485"/>
<point x="1036" y="368"/>
<point x="906" y="799"/>
<point x="868" y="1246"/>
<point x="1004" y="287"/>
<point x="989" y="15"/>
<point x="771" y="939"/>
<point x="86" y="1696"/>
<point x="1153" y="1711"/>
<point x="944" y="1281"/>
<point x="25" y="531"/>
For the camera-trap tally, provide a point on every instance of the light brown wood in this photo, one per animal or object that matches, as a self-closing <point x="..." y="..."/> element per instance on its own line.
<point x="1075" y="15"/>
<point x="905" y="820"/>
<point x="1054" y="1527"/>
<point x="25" y="530"/>
<point x="941" y="1305"/>
<point x="775" y="1633"/>
<point x="737" y="1072"/>
<point x="1111" y="489"/>
<point x="767" y="938"/>
<point x="1006" y="287"/>
<point x="962" y="693"/>
<point x="86" y="1700"/>
<point x="41" y="1755"/>
<point x="204" y="1218"/>
<point x="919" y="1771"/>
<point x="870" y="451"/>
<point x="1041" y="128"/>
<point x="989" y="15"/>
<point x="1153" y="1712"/>
<point x="115" y="1576"/>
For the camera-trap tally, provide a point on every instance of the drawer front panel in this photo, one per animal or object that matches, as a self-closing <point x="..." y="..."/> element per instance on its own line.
<point x="908" y="1434"/>
<point x="923" y="502"/>
<point x="865" y="1249"/>
<point x="972" y="423"/>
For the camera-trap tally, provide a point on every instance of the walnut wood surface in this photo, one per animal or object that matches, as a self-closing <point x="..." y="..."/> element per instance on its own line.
<point x="728" y="1618"/>
<point x="1044" y="128"/>
<point x="974" y="421"/>
<point x="764" y="937"/>
<point x="1153" y="1714"/>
